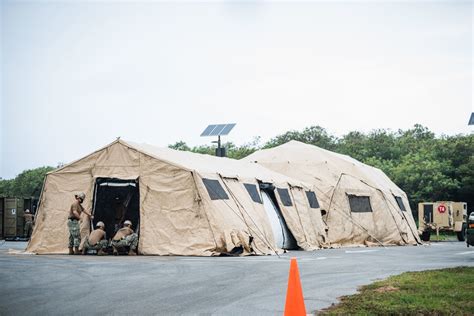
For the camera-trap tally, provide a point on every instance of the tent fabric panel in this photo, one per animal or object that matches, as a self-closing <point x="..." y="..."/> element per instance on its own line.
<point x="294" y="221"/>
<point x="118" y="155"/>
<point x="310" y="219"/>
<point x="225" y="218"/>
<point x="51" y="234"/>
<point x="342" y="229"/>
<point x="253" y="214"/>
<point x="172" y="220"/>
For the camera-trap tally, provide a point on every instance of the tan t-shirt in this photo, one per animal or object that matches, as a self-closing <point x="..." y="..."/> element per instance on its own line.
<point x="95" y="236"/>
<point x="28" y="217"/>
<point x="122" y="232"/>
<point x="76" y="206"/>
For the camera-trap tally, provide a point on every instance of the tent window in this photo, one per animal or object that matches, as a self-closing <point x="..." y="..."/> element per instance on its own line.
<point x="312" y="199"/>
<point x="359" y="204"/>
<point x="285" y="197"/>
<point x="400" y="203"/>
<point x="215" y="190"/>
<point x="252" y="190"/>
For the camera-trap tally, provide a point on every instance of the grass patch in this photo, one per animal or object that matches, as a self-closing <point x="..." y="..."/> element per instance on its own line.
<point x="444" y="236"/>
<point x="435" y="292"/>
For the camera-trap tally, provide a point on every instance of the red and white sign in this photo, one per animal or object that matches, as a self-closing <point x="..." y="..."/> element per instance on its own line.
<point x="441" y="208"/>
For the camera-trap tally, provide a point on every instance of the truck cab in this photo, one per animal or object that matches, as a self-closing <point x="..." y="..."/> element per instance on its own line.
<point x="442" y="216"/>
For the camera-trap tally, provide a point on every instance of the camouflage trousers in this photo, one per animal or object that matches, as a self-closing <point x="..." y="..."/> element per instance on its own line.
<point x="74" y="233"/>
<point x="101" y="244"/>
<point x="130" y="240"/>
<point x="28" y="229"/>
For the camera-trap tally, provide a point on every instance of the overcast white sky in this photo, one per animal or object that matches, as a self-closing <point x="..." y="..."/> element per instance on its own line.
<point x="75" y="75"/>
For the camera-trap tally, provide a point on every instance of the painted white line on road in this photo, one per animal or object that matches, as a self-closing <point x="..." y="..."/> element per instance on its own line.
<point x="466" y="253"/>
<point x="263" y="259"/>
<point x="236" y="259"/>
<point x="360" y="251"/>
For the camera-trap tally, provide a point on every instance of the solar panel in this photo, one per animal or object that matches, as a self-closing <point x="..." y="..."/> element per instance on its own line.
<point x="208" y="130"/>
<point x="471" y="121"/>
<point x="218" y="129"/>
<point x="227" y="129"/>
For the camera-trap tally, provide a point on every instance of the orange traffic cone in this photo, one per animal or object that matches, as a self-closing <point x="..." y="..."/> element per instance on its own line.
<point x="294" y="305"/>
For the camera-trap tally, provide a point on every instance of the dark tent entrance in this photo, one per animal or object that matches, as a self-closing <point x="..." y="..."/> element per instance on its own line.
<point x="115" y="201"/>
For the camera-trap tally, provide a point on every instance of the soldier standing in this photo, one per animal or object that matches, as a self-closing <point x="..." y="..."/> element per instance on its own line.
<point x="97" y="240"/>
<point x="75" y="212"/>
<point x="29" y="218"/>
<point x="125" y="237"/>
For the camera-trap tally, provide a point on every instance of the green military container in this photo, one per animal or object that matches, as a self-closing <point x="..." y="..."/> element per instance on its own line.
<point x="13" y="217"/>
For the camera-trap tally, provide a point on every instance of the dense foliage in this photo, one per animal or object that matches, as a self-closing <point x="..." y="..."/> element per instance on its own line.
<point x="27" y="184"/>
<point x="426" y="167"/>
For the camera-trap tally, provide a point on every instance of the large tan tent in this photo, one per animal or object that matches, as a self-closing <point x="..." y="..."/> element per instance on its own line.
<point x="360" y="204"/>
<point x="181" y="203"/>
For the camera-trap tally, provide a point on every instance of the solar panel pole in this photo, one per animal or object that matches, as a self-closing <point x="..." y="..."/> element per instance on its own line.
<point x="218" y="130"/>
<point x="220" y="152"/>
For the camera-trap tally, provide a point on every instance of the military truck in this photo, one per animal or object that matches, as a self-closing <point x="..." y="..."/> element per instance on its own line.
<point x="442" y="216"/>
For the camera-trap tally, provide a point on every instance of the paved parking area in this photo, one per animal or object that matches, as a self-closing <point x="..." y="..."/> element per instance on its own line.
<point x="61" y="285"/>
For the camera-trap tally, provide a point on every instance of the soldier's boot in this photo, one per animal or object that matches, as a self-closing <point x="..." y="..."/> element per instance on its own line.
<point x="101" y="252"/>
<point x="76" y="251"/>
<point x="115" y="251"/>
<point x="84" y="251"/>
<point x="71" y="252"/>
<point x="132" y="252"/>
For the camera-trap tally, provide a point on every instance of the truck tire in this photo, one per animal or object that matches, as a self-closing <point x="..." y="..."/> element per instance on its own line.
<point x="462" y="233"/>
<point x="425" y="236"/>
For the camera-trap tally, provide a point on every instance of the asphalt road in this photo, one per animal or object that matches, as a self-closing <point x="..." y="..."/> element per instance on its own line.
<point x="64" y="285"/>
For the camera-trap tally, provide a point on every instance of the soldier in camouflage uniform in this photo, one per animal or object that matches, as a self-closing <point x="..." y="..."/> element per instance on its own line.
<point x="29" y="218"/>
<point x="96" y="240"/>
<point x="125" y="237"/>
<point x="73" y="226"/>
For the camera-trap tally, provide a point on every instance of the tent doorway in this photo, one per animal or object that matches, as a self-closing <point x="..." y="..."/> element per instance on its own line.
<point x="283" y="237"/>
<point x="116" y="200"/>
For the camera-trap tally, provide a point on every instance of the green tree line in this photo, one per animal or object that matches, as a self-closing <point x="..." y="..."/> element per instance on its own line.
<point x="27" y="184"/>
<point x="426" y="167"/>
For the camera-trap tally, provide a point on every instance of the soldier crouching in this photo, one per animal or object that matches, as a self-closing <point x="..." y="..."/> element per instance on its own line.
<point x="96" y="240"/>
<point x="125" y="237"/>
